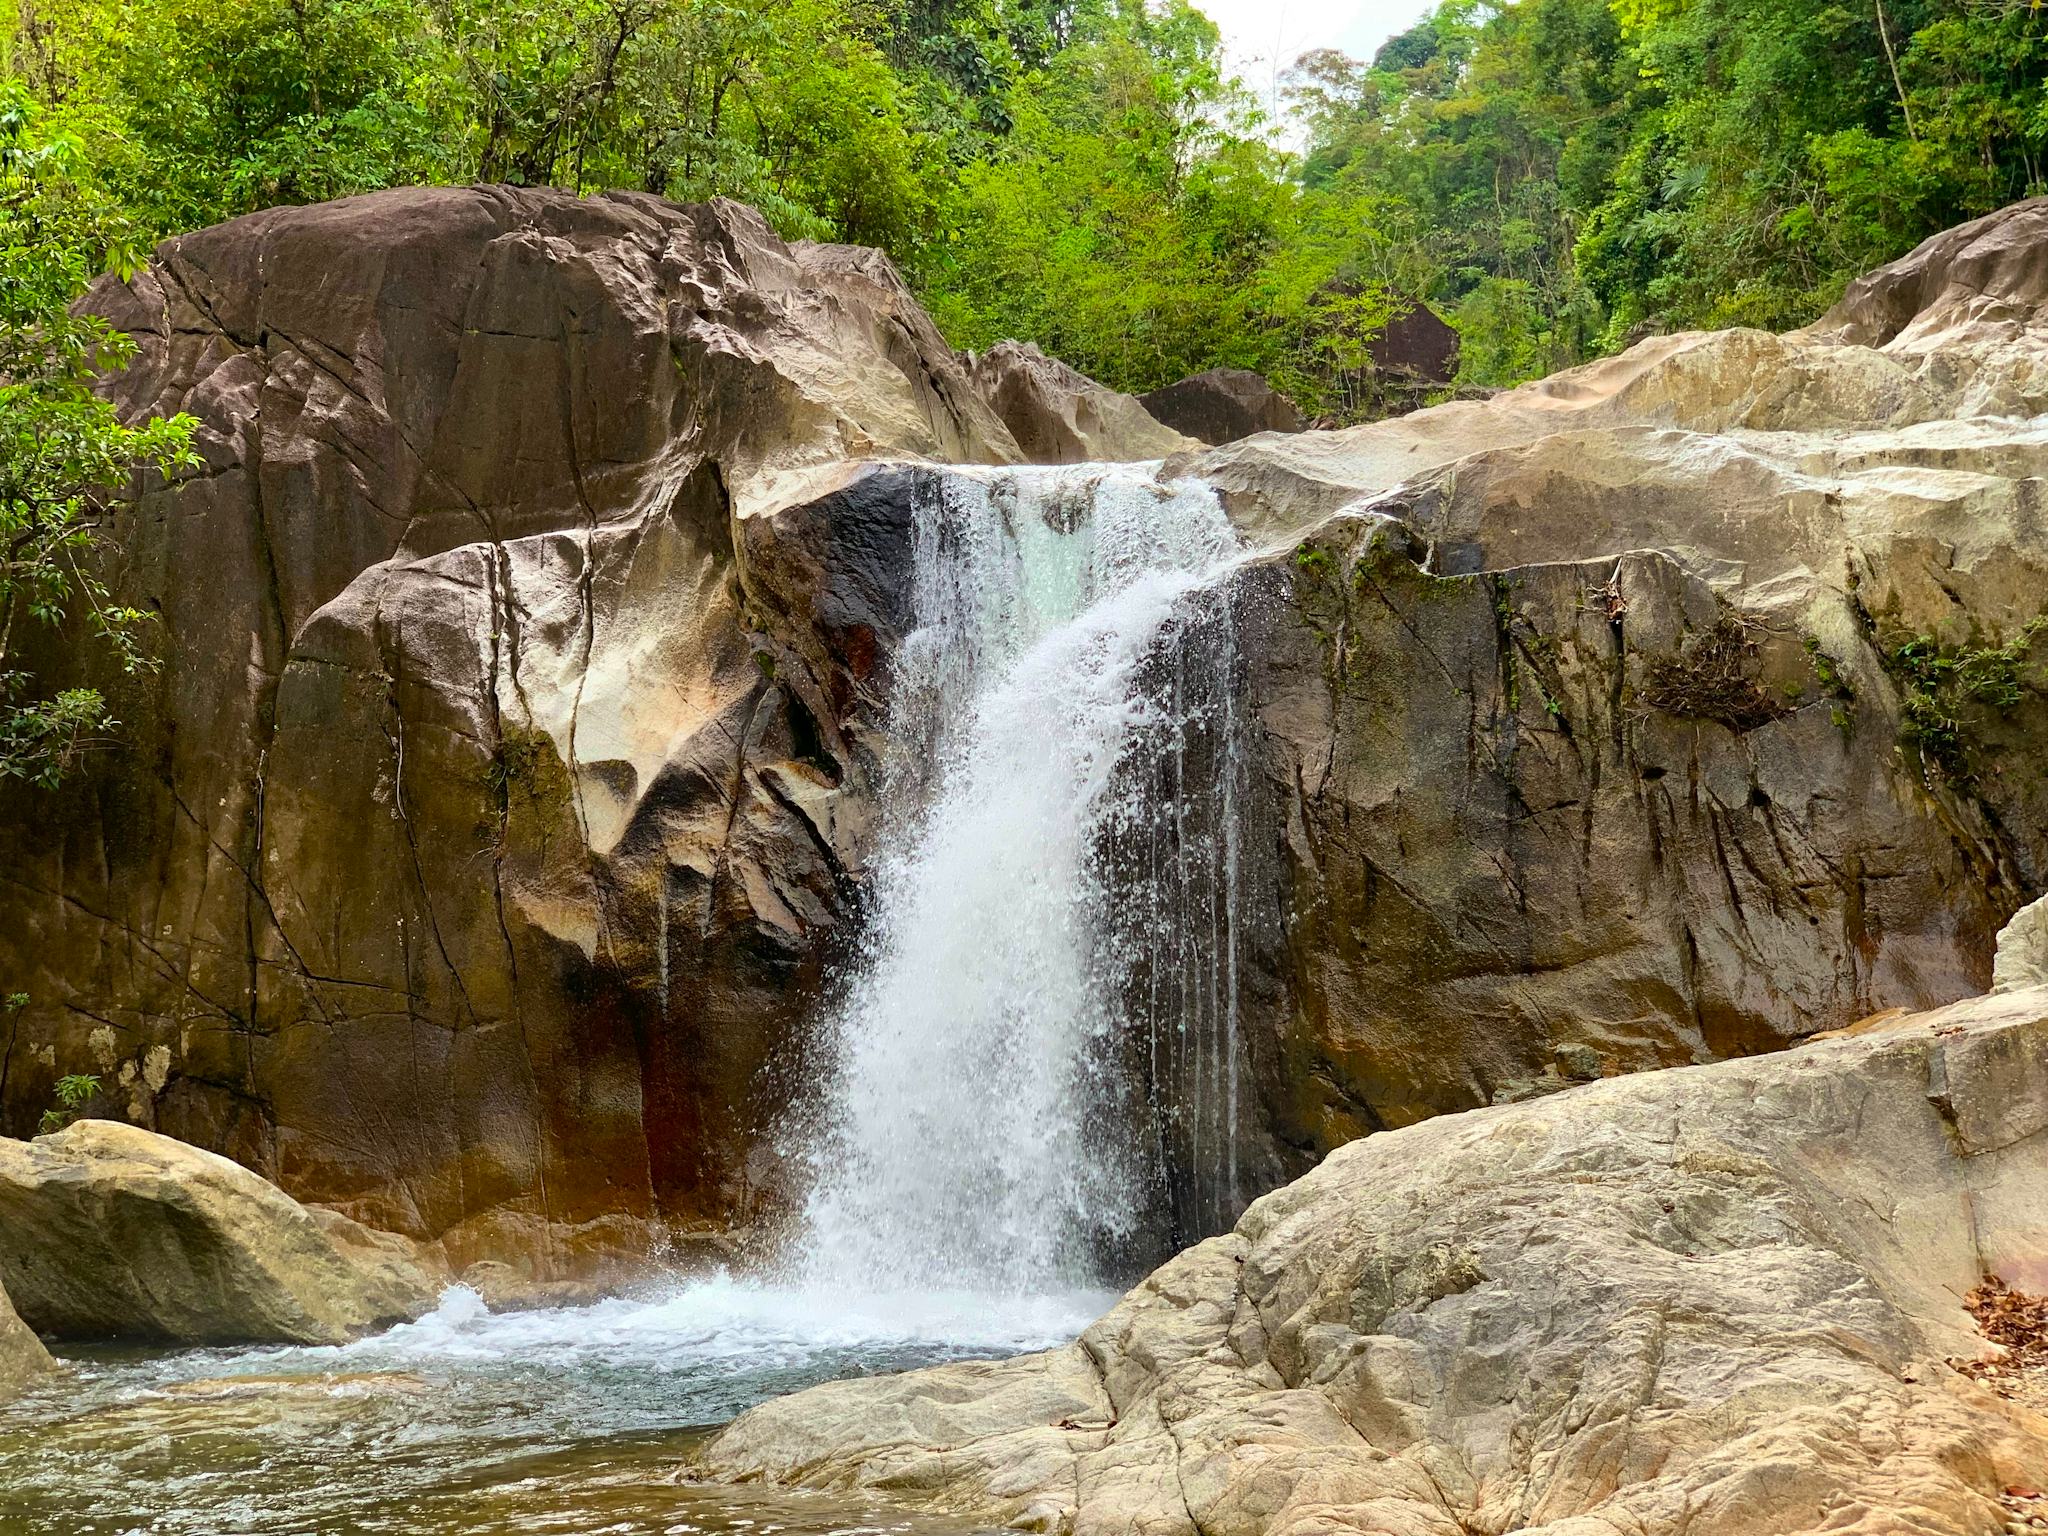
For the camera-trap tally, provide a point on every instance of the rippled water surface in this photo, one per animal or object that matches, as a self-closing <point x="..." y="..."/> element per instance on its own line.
<point x="562" y="1421"/>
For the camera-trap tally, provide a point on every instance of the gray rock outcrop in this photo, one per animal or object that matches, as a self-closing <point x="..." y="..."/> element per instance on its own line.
<point x="108" y="1231"/>
<point x="1717" y="1301"/>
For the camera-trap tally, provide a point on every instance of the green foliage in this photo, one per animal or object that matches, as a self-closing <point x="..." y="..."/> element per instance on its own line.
<point x="1554" y="177"/>
<point x="1948" y="690"/>
<point x="73" y="1094"/>
<point x="62" y="449"/>
<point x="1581" y="171"/>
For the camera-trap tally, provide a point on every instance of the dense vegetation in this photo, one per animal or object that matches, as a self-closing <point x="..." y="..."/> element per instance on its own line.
<point x="1551" y="175"/>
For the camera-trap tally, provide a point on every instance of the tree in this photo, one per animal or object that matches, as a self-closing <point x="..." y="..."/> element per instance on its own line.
<point x="62" y="448"/>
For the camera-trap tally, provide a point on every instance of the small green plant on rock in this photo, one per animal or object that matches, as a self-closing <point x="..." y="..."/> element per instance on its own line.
<point x="1945" y="686"/>
<point x="74" y="1092"/>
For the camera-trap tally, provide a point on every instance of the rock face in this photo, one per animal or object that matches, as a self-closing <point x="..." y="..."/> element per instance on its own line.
<point x="467" y="861"/>
<point x="1715" y="1301"/>
<point x="23" y="1360"/>
<point x="1223" y="405"/>
<point x="1605" y="721"/>
<point x="476" y="857"/>
<point x="108" y="1231"/>
<point x="1061" y="416"/>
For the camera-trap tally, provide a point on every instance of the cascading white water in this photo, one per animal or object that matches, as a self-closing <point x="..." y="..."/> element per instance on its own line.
<point x="982" y="1129"/>
<point x="1036" y="1058"/>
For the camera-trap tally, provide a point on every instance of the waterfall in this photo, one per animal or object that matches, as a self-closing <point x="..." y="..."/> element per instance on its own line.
<point x="1034" y="1060"/>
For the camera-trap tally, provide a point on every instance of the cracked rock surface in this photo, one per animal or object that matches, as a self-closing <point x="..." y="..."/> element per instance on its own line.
<point x="1717" y="1300"/>
<point x="469" y="857"/>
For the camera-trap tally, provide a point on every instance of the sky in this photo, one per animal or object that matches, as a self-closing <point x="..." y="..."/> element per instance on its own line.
<point x="1265" y="36"/>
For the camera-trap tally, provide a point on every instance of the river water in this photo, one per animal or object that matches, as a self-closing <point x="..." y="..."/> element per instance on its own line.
<point x="571" y="1420"/>
<point x="1033" y="1080"/>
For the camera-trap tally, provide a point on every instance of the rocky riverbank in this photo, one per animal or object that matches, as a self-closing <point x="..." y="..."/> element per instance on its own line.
<point x="1720" y="1300"/>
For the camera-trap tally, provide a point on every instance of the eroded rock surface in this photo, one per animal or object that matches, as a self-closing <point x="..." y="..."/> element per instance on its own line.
<point x="23" y="1360"/>
<point x="1061" y="416"/>
<point x="463" y="866"/>
<point x="108" y="1231"/>
<point x="1716" y="1301"/>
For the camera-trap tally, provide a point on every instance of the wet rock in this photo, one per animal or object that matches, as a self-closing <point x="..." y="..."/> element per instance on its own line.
<point x="1223" y="405"/>
<point x="1061" y="416"/>
<point x="23" y="1360"/>
<point x="109" y="1231"/>
<point x="1718" y="1300"/>
<point x="503" y="1288"/>
<point x="459" y="870"/>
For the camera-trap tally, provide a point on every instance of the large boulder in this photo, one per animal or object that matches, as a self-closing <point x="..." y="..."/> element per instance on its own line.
<point x="1061" y="416"/>
<point x="460" y="868"/>
<point x="1716" y="1301"/>
<point x="23" y="1360"/>
<point x="1223" y="405"/>
<point x="108" y="1231"/>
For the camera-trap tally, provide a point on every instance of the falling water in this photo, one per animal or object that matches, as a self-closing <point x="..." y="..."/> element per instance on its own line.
<point x="1036" y="1053"/>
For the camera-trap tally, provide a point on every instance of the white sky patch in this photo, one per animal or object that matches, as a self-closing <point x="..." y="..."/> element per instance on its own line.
<point x="1264" y="37"/>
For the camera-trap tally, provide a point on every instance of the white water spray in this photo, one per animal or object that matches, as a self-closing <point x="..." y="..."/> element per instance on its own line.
<point x="984" y="1132"/>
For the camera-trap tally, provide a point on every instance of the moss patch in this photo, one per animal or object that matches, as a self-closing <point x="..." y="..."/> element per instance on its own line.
<point x="1951" y="691"/>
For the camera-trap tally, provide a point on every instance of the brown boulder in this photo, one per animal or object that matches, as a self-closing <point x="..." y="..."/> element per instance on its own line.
<point x="1061" y="416"/>
<point x="1416" y="348"/>
<point x="459" y="867"/>
<point x="108" y="1231"/>
<point x="1223" y="405"/>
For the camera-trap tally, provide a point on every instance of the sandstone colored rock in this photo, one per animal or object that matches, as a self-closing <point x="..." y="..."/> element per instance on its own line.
<point x="1061" y="416"/>
<point x="23" y="1360"/>
<point x="1718" y="1301"/>
<point x="459" y="868"/>
<point x="1582" y="714"/>
<point x="2022" y="958"/>
<point x="1223" y="405"/>
<point x="474" y="864"/>
<point x="108" y="1231"/>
